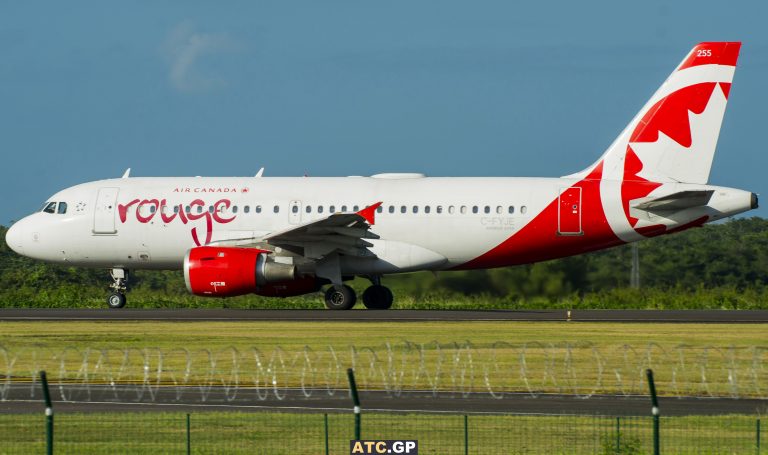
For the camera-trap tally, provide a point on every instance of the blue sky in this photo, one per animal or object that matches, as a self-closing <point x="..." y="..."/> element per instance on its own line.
<point x="447" y="88"/>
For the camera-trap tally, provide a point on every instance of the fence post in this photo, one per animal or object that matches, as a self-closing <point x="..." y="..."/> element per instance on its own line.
<point x="466" y="435"/>
<point x="48" y="415"/>
<point x="757" y="436"/>
<point x="325" y="418"/>
<point x="618" y="434"/>
<point x="355" y="400"/>
<point x="189" y="438"/>
<point x="654" y="411"/>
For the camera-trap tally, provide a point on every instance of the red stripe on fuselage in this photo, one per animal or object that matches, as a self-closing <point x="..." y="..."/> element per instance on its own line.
<point x="539" y="241"/>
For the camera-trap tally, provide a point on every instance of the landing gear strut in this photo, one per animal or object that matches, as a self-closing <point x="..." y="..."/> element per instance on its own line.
<point x="119" y="287"/>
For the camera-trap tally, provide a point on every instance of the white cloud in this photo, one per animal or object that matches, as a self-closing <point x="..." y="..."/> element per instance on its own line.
<point x="184" y="47"/>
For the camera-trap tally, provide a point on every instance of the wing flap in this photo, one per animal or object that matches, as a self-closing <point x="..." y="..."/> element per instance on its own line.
<point x="342" y="233"/>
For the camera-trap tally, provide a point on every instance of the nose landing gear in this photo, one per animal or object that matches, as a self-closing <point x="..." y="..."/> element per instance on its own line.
<point x="119" y="287"/>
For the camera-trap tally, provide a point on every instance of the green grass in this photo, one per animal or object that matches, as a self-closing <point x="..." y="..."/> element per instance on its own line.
<point x="293" y="433"/>
<point x="82" y="296"/>
<point x="341" y="334"/>
<point x="560" y="357"/>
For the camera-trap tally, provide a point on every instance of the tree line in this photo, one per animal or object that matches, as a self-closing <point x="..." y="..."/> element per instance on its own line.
<point x="718" y="265"/>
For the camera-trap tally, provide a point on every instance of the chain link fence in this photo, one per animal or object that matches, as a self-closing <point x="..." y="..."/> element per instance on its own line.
<point x="312" y="433"/>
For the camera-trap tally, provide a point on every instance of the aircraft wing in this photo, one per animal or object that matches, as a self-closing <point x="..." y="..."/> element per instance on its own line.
<point x="344" y="233"/>
<point x="676" y="201"/>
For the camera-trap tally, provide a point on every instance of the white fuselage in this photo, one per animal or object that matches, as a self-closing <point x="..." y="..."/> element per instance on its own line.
<point x="424" y="223"/>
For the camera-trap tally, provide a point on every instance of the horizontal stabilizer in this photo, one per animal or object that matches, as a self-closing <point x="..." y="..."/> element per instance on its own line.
<point x="676" y="201"/>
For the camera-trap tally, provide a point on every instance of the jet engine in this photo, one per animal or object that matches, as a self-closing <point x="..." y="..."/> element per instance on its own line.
<point x="227" y="272"/>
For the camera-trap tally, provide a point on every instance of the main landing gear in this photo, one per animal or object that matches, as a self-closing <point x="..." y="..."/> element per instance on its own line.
<point x="119" y="287"/>
<point x="375" y="297"/>
<point x="378" y="297"/>
<point x="340" y="297"/>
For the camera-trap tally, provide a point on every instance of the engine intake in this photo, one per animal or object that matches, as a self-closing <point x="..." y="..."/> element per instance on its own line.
<point x="228" y="272"/>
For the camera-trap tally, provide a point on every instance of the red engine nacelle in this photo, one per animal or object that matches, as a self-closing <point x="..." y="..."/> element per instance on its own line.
<point x="228" y="271"/>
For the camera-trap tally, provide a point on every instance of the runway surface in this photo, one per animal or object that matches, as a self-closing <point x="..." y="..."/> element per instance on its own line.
<point x="699" y="316"/>
<point x="170" y="399"/>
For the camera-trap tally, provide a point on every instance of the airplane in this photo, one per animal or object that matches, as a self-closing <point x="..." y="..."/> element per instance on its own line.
<point x="282" y="236"/>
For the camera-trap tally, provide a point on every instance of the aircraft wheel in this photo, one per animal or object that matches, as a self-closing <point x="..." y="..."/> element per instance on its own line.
<point x="340" y="297"/>
<point x="378" y="297"/>
<point x="116" y="300"/>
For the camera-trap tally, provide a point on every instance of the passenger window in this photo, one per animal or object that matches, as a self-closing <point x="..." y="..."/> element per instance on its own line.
<point x="319" y="209"/>
<point x="62" y="208"/>
<point x="152" y="208"/>
<point x="487" y="209"/>
<point x="199" y="209"/>
<point x="175" y="209"/>
<point x="426" y="209"/>
<point x="234" y="209"/>
<point x="247" y="208"/>
<point x="332" y="209"/>
<point x="498" y="209"/>
<point x="343" y="208"/>
<point x="391" y="209"/>
<point x="379" y="209"/>
<point x="258" y="209"/>
<point x="511" y="209"/>
<point x="356" y="208"/>
<point x="450" y="209"/>
<point x="439" y="209"/>
<point x="415" y="209"/>
<point x="210" y="209"/>
<point x="475" y="209"/>
<point x="463" y="209"/>
<point x="403" y="209"/>
<point x="523" y="209"/>
<point x="187" y="209"/>
<point x="276" y="209"/>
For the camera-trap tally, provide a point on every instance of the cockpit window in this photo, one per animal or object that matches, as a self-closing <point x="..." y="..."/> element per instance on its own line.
<point x="62" y="208"/>
<point x="50" y="207"/>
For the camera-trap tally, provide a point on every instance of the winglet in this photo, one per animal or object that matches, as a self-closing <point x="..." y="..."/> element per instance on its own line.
<point x="127" y="173"/>
<point x="369" y="213"/>
<point x="260" y="173"/>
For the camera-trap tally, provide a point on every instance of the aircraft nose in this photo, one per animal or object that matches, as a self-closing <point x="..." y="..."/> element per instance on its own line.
<point x="15" y="238"/>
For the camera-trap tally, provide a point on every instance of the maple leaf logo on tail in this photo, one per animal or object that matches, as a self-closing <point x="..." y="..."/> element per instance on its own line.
<point x="656" y="169"/>
<point x="672" y="139"/>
